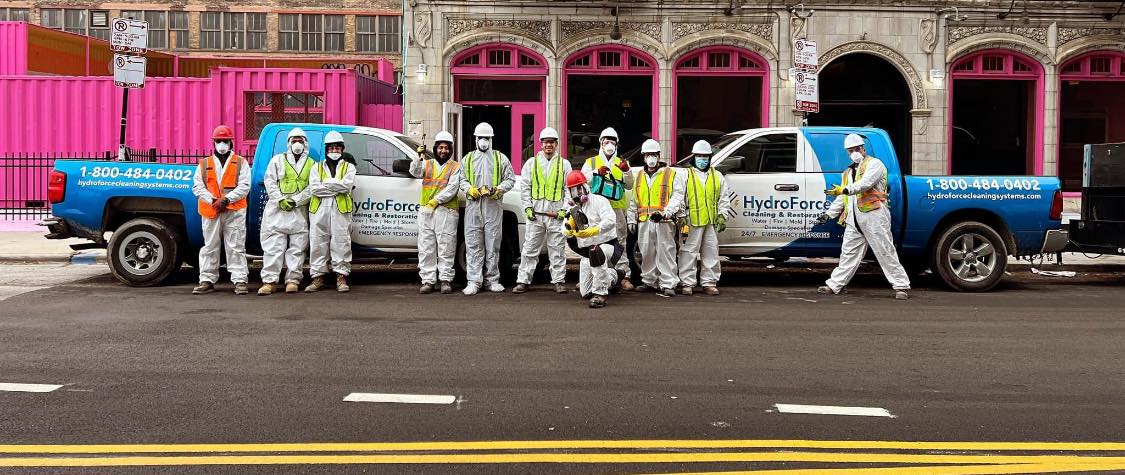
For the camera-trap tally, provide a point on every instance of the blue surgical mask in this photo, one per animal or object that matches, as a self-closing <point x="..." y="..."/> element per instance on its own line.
<point x="702" y="163"/>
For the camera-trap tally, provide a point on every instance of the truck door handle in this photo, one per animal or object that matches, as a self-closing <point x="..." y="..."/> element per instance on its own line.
<point x="786" y="187"/>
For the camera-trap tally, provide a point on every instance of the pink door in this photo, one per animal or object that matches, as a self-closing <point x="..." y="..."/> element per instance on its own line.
<point x="527" y="121"/>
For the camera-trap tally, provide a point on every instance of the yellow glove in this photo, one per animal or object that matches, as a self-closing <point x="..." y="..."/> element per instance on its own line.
<point x="432" y="203"/>
<point x="569" y="233"/>
<point x="588" y="232"/>
<point x="837" y="190"/>
<point x="474" y="192"/>
<point x="497" y="194"/>
<point x="421" y="149"/>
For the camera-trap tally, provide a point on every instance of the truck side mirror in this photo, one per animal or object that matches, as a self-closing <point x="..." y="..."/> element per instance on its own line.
<point x="401" y="167"/>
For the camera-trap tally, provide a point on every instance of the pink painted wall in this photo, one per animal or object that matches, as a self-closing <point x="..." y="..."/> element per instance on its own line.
<point x="379" y="105"/>
<point x="13" y="47"/>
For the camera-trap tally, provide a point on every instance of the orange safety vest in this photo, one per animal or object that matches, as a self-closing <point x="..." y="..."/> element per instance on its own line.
<point x="230" y="182"/>
<point x="869" y="200"/>
<point x="435" y="178"/>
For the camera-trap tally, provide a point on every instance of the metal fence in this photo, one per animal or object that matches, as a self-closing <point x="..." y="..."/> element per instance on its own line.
<point x="23" y="177"/>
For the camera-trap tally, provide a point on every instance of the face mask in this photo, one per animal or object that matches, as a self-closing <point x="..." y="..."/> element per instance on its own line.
<point x="702" y="163"/>
<point x="335" y="156"/>
<point x="578" y="195"/>
<point x="297" y="148"/>
<point x="652" y="161"/>
<point x="483" y="143"/>
<point x="856" y="157"/>
<point x="222" y="148"/>
<point x="609" y="149"/>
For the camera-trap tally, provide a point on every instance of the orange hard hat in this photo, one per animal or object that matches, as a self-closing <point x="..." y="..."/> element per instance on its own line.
<point x="222" y="132"/>
<point x="575" y="178"/>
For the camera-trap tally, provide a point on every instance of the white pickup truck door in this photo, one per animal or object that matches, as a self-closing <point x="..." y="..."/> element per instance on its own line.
<point x="763" y="173"/>
<point x="386" y="197"/>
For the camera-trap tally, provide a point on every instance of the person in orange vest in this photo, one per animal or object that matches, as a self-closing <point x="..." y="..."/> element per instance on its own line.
<point x="438" y="214"/>
<point x="658" y="196"/>
<point x="221" y="184"/>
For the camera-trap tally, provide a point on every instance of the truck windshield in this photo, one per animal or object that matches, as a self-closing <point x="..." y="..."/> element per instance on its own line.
<point x="414" y="145"/>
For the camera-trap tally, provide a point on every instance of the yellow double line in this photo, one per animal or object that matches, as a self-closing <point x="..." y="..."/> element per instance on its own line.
<point x="914" y="457"/>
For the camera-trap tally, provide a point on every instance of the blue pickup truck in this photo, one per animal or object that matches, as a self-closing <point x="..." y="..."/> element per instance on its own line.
<point x="964" y="227"/>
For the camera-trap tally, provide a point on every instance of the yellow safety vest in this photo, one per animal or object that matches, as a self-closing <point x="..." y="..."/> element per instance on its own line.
<point x="468" y="160"/>
<point x="343" y="200"/>
<point x="435" y="178"/>
<point x="703" y="199"/>
<point x="293" y="182"/>
<point x="651" y="199"/>
<point x="869" y="200"/>
<point x="550" y="187"/>
<point x="597" y="162"/>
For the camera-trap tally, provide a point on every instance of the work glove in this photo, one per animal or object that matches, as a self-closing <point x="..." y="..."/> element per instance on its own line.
<point x="656" y="217"/>
<point x="570" y="224"/>
<point x="530" y="213"/>
<point x="588" y="232"/>
<point x="603" y="170"/>
<point x="823" y="218"/>
<point x="836" y="190"/>
<point x="561" y="215"/>
<point x="496" y="194"/>
<point x="287" y="204"/>
<point x="569" y="233"/>
<point x="632" y="228"/>
<point x="623" y="165"/>
<point x="432" y="204"/>
<point x="421" y="149"/>
<point x="225" y="202"/>
<point x="721" y="224"/>
<point x="474" y="193"/>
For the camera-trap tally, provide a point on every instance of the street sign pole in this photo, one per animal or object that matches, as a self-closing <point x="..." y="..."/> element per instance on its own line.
<point x="124" y="117"/>
<point x="128" y="37"/>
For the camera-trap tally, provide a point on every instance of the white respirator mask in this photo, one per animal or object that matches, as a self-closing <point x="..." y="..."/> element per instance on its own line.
<point x="335" y="156"/>
<point x="652" y="161"/>
<point x="222" y="148"/>
<point x="609" y="149"/>
<point x="856" y="157"/>
<point x="483" y="144"/>
<point x="297" y="148"/>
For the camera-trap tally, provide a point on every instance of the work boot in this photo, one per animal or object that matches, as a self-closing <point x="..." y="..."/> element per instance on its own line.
<point x="901" y="295"/>
<point x="240" y="289"/>
<point x="292" y="287"/>
<point x="426" y="288"/>
<point x="560" y="288"/>
<point x="824" y="289"/>
<point x="519" y="289"/>
<point x="203" y="288"/>
<point x="495" y="287"/>
<point x="471" y="289"/>
<point x="446" y="287"/>
<point x="686" y="290"/>
<point x="317" y="284"/>
<point x="711" y="290"/>
<point x="642" y="288"/>
<point x="266" y="288"/>
<point x="667" y="293"/>
<point x="597" y="301"/>
<point x="342" y="283"/>
<point x="627" y="285"/>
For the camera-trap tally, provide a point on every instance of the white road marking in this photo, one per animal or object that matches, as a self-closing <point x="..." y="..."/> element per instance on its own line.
<point x="400" y="398"/>
<point x="833" y="410"/>
<point x="29" y="388"/>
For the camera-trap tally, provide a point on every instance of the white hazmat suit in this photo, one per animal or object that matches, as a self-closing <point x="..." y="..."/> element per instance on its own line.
<point x="228" y="230"/>
<point x="437" y="227"/>
<point x="330" y="231"/>
<point x="284" y="234"/>
<point x="552" y="172"/>
<point x="702" y="242"/>
<point x="484" y="216"/>
<point x="589" y="169"/>
<point x="597" y="280"/>
<point x="657" y="240"/>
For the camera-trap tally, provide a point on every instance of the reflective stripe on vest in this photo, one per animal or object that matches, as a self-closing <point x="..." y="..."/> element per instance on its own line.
<point x="219" y="190"/>
<point x="344" y="202"/>
<point x="495" y="168"/>
<point x="435" y="179"/>
<point x="292" y="182"/>
<point x="649" y="203"/>
<point x="869" y="200"/>
<point x="548" y="188"/>
<point x="703" y="198"/>
<point x="597" y="162"/>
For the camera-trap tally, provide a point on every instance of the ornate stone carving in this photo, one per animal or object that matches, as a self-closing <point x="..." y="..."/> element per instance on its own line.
<point x="536" y="28"/>
<point x="1066" y="35"/>
<point x="927" y="34"/>
<point x="798" y="28"/>
<point x="761" y="30"/>
<point x="921" y="119"/>
<point x="903" y="65"/>
<point x="1012" y="45"/>
<point x="571" y="29"/>
<point x="1037" y="34"/>
<point x="423" y="28"/>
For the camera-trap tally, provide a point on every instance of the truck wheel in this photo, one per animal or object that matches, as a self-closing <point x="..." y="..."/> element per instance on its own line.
<point x="142" y="252"/>
<point x="970" y="256"/>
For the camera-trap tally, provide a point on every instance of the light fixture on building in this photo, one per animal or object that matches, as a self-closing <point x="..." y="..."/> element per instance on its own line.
<point x="421" y="73"/>
<point x="615" y="33"/>
<point x="735" y="8"/>
<point x="956" y="15"/>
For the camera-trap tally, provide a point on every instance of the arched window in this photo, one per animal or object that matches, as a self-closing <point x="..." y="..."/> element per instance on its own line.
<point x="1000" y="63"/>
<point x="1096" y="65"/>
<point x="499" y="58"/>
<point x="1091" y="92"/>
<point x="717" y="90"/>
<point x="611" y="58"/>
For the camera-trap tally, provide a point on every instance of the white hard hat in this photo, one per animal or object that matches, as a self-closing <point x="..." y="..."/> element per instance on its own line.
<point x="296" y="132"/>
<point x="650" y="146"/>
<point x="701" y="147"/>
<point x="549" y="133"/>
<point x="852" y="140"/>
<point x="443" y="136"/>
<point x="483" y="130"/>
<point x="333" y="137"/>
<point x="608" y="132"/>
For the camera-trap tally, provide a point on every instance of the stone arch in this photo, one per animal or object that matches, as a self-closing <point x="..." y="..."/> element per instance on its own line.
<point x="1086" y="45"/>
<point x="464" y="42"/>
<point x="998" y="41"/>
<point x="600" y="37"/>
<point x="909" y="73"/>
<point x="723" y="38"/>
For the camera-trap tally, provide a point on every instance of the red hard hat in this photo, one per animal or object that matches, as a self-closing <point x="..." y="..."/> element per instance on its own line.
<point x="222" y="132"/>
<point x="575" y="178"/>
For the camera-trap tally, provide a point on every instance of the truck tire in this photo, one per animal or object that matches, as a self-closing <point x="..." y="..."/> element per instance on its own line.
<point x="970" y="256"/>
<point x="143" y="252"/>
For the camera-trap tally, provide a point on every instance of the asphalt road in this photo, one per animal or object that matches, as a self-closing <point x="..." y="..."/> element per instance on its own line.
<point x="1038" y="360"/>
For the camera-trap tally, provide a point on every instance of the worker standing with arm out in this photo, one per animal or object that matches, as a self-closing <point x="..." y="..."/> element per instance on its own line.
<point x="330" y="214"/>
<point x="487" y="175"/>
<point x="221" y="184"/>
<point x="438" y="215"/>
<point x="658" y="196"/>
<point x="862" y="207"/>
<point x="544" y="191"/>
<point x="285" y="223"/>
<point x="708" y="207"/>
<point x="612" y="168"/>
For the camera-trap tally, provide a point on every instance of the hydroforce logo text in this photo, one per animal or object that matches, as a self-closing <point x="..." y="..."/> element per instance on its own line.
<point x="387" y="205"/>
<point x="771" y="203"/>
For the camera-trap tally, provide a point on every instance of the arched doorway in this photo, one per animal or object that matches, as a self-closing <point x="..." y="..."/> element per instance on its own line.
<point x="504" y="85"/>
<point x="608" y="86"/>
<point x="865" y="90"/>
<point x="1091" y="98"/>
<point x="996" y="114"/>
<point x="717" y="90"/>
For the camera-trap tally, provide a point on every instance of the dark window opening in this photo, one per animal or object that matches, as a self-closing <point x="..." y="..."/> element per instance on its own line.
<point x="597" y="102"/>
<point x="992" y="127"/>
<point x="499" y="90"/>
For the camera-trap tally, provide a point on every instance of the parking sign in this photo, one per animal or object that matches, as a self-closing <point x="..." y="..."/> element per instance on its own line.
<point x="129" y="71"/>
<point x="805" y="55"/>
<point x="128" y="35"/>
<point x="808" y="94"/>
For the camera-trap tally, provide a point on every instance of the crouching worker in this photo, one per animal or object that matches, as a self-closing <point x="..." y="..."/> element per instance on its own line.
<point x="591" y="232"/>
<point x="330" y="215"/>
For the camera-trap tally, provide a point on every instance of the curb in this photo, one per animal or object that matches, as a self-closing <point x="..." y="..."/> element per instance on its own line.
<point x="76" y="258"/>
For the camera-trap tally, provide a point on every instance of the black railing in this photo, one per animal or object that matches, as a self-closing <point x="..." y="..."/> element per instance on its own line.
<point x="23" y="176"/>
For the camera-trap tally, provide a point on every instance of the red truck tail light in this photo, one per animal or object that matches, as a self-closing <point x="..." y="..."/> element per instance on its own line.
<point x="56" y="186"/>
<point x="1057" y="205"/>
